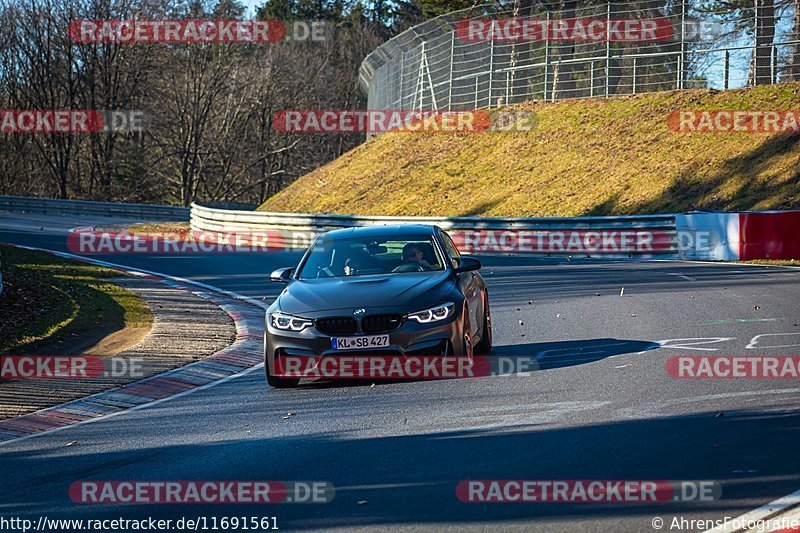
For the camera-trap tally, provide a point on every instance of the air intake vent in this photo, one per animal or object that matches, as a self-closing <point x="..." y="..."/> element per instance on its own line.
<point x="380" y="323"/>
<point x="336" y="325"/>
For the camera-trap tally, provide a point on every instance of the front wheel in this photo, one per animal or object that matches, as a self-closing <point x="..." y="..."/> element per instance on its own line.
<point x="466" y="350"/>
<point x="281" y="383"/>
<point x="485" y="344"/>
<point x="275" y="381"/>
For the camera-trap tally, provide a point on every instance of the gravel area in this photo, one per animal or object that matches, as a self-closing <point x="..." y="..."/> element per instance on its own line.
<point x="186" y="328"/>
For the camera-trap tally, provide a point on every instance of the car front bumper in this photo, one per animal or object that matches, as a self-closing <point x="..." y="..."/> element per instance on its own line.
<point x="444" y="338"/>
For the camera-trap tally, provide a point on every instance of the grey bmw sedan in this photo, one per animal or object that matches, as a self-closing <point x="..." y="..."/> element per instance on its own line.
<point x="400" y="290"/>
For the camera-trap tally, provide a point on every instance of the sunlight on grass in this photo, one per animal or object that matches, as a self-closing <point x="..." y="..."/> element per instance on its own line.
<point x="47" y="298"/>
<point x="585" y="157"/>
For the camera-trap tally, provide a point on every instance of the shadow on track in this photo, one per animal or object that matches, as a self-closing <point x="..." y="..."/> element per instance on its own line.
<point x="516" y="358"/>
<point x="411" y="478"/>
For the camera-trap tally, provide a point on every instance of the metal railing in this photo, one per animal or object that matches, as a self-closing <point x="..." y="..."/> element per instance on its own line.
<point x="443" y="65"/>
<point x="211" y="219"/>
<point x="300" y="228"/>
<point x="52" y="206"/>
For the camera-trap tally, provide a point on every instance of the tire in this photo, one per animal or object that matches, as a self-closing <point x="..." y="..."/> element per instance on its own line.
<point x="279" y="383"/>
<point x="466" y="350"/>
<point x="274" y="381"/>
<point x="485" y="344"/>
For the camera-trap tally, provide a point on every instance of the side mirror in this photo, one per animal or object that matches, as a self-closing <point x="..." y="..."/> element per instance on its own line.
<point x="467" y="264"/>
<point x="282" y="275"/>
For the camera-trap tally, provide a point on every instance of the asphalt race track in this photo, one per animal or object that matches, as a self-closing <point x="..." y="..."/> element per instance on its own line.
<point x="600" y="406"/>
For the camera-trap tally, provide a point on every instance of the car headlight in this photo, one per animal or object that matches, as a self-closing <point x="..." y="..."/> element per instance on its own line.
<point x="289" y="322"/>
<point x="434" y="314"/>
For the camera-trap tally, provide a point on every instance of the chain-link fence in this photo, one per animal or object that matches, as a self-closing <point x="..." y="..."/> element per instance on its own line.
<point x="491" y="56"/>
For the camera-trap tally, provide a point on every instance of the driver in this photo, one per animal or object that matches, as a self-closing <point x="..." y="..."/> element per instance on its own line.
<point x="350" y="267"/>
<point x="413" y="254"/>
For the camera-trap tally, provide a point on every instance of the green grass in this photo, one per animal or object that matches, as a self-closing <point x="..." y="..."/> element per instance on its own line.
<point x="47" y="299"/>
<point x="585" y="157"/>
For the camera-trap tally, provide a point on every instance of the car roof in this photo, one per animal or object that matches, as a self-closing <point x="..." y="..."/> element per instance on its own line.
<point x="382" y="231"/>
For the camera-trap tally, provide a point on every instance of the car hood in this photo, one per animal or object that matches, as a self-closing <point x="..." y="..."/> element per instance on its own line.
<point x="404" y="293"/>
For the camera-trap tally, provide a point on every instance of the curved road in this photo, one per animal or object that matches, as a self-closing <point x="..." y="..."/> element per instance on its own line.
<point x="600" y="406"/>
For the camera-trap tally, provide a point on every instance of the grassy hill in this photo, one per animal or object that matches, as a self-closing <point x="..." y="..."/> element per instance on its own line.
<point x="585" y="157"/>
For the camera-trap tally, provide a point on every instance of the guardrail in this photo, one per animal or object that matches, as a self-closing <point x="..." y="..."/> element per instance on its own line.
<point x="696" y="235"/>
<point x="52" y="206"/>
<point x="211" y="219"/>
<point x="620" y="235"/>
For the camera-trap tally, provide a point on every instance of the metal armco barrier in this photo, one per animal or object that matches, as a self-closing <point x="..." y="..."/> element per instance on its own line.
<point x="51" y="206"/>
<point x="622" y="235"/>
<point x="698" y="235"/>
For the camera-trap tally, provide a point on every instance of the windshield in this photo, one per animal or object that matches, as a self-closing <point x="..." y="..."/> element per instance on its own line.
<point x="333" y="258"/>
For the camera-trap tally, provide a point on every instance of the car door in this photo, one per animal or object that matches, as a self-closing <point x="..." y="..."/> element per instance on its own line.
<point x="468" y="282"/>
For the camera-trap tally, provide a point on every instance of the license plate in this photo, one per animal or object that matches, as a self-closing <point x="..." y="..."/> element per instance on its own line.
<point x="360" y="343"/>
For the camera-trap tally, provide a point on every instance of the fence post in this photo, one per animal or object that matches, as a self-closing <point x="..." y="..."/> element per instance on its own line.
<point x="608" y="47"/>
<point x="756" y="31"/>
<point x="491" y="69"/>
<point x="434" y="103"/>
<point x="634" y="75"/>
<point x="424" y="69"/>
<point x="450" y="79"/>
<point x="418" y="91"/>
<point x="402" y="72"/>
<point x="773" y="65"/>
<point x="727" y="69"/>
<point x="682" y="66"/>
<point x="546" y="55"/>
<point x="591" y="80"/>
